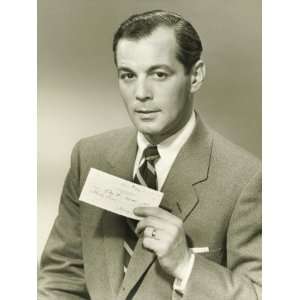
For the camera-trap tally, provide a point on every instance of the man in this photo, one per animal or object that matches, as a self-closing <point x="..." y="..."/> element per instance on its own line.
<point x="212" y="189"/>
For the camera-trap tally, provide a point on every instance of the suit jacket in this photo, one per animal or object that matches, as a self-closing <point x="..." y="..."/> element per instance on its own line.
<point x="213" y="186"/>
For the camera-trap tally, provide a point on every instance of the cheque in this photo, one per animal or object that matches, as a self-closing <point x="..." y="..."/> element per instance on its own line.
<point x="117" y="195"/>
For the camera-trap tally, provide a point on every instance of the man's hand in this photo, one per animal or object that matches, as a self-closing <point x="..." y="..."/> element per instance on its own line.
<point x="165" y="236"/>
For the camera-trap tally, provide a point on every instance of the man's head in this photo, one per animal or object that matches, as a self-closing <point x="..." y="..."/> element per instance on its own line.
<point x="156" y="79"/>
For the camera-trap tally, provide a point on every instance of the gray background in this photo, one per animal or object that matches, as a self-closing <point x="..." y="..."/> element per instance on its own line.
<point x="77" y="87"/>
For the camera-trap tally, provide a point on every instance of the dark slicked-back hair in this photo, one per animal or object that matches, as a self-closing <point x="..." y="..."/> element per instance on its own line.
<point x="142" y="25"/>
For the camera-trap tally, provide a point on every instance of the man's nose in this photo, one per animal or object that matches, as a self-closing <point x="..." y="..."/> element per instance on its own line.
<point x="143" y="91"/>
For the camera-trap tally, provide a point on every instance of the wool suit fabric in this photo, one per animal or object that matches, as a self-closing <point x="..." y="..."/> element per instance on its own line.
<point x="213" y="186"/>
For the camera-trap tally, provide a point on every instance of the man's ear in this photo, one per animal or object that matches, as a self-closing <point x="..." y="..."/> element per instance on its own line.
<point x="197" y="75"/>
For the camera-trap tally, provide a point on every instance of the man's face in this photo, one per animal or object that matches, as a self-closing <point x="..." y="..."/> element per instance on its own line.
<point x="153" y="84"/>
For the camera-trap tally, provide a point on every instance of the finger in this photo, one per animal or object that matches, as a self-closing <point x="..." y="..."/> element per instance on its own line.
<point x="144" y="211"/>
<point x="151" y="244"/>
<point x="157" y="212"/>
<point x="154" y="245"/>
<point x="150" y="232"/>
<point x="158" y="244"/>
<point x="162" y="223"/>
<point x="159" y="235"/>
<point x="155" y="223"/>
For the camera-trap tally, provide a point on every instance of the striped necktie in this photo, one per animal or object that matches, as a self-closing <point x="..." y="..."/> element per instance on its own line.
<point x="145" y="175"/>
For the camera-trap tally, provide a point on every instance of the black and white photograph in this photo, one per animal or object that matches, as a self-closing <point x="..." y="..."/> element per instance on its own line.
<point x="149" y="150"/>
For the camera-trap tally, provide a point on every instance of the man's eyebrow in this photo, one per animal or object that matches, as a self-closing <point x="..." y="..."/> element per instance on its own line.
<point x="124" y="69"/>
<point x="163" y="66"/>
<point x="151" y="69"/>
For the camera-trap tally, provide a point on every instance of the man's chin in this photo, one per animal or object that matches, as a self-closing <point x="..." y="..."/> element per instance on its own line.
<point x="148" y="126"/>
<point x="149" y="132"/>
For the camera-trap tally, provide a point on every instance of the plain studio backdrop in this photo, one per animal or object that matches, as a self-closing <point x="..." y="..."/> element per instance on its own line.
<point x="77" y="83"/>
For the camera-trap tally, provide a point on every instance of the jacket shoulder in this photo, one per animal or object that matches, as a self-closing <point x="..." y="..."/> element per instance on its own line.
<point x="233" y="159"/>
<point x="106" y="140"/>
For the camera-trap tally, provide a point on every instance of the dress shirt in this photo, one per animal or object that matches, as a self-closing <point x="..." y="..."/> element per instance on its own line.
<point x="168" y="150"/>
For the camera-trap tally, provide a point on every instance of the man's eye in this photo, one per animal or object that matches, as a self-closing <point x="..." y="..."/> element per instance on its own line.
<point x="127" y="76"/>
<point x="160" y="75"/>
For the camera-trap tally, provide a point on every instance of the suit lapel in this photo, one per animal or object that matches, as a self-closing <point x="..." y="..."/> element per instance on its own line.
<point x="123" y="157"/>
<point x="139" y="263"/>
<point x="190" y="167"/>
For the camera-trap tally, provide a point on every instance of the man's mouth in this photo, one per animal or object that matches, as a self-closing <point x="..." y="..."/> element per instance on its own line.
<point x="147" y="115"/>
<point x="144" y="111"/>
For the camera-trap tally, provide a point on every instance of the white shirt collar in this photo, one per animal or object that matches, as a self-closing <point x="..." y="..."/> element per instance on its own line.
<point x="168" y="149"/>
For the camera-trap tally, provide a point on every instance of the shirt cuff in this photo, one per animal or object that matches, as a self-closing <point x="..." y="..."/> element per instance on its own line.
<point x="179" y="285"/>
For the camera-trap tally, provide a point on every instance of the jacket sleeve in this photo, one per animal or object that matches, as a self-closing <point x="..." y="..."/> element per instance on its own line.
<point x="241" y="278"/>
<point x="61" y="274"/>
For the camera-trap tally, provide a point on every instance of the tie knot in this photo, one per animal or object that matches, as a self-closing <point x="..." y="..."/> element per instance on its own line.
<point x="151" y="153"/>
